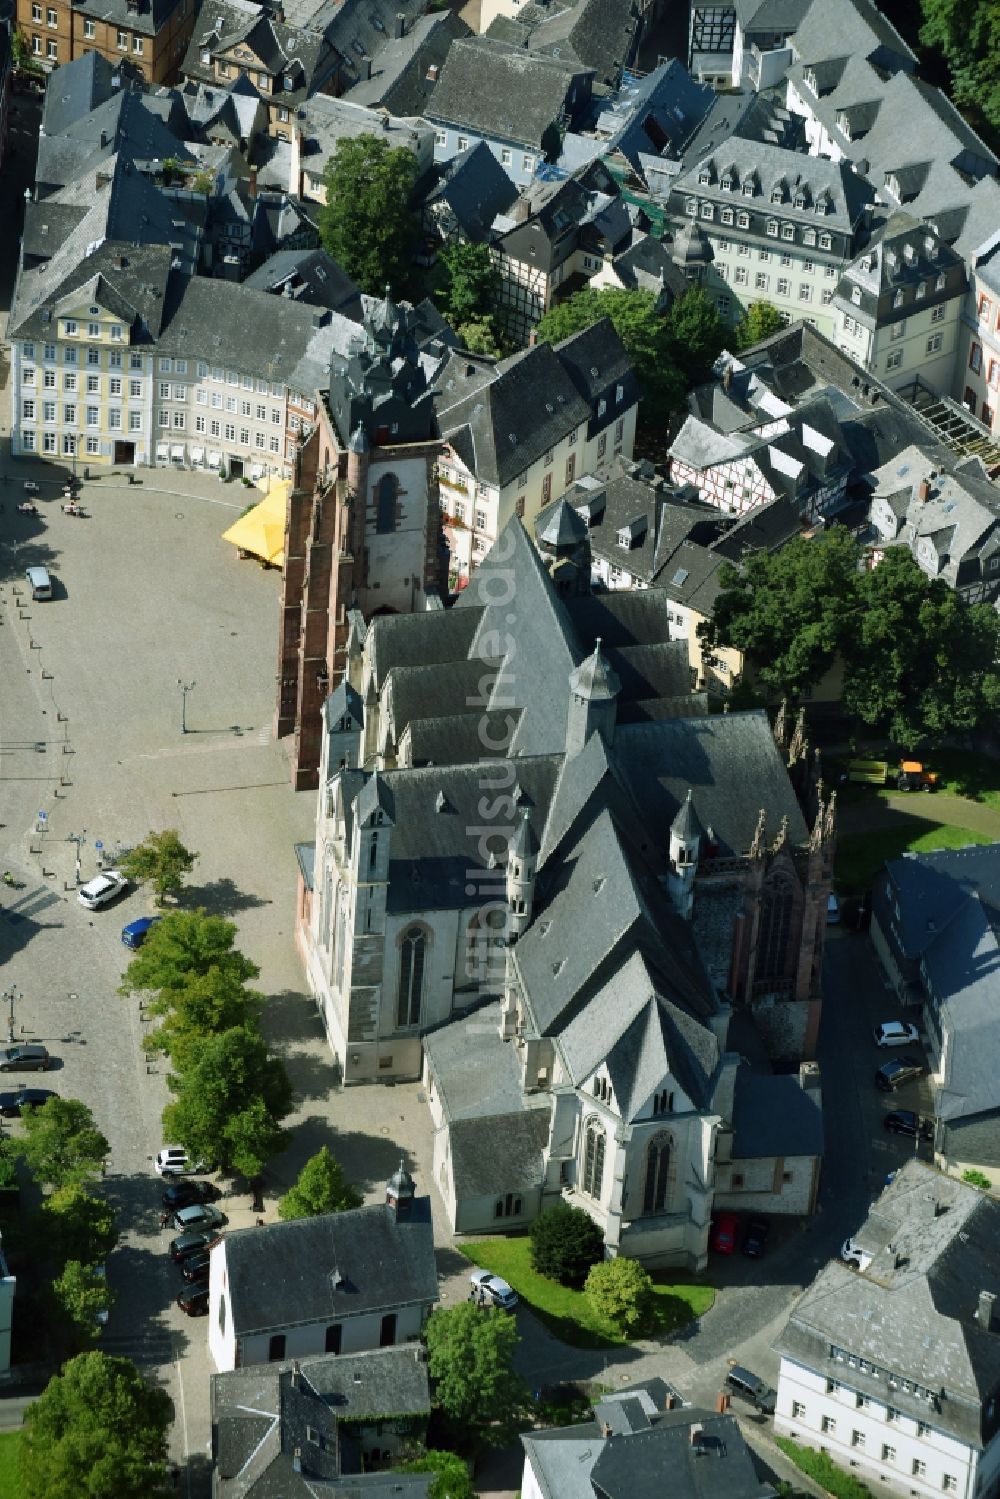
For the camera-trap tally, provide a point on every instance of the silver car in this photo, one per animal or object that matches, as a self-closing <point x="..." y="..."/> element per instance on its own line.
<point x="201" y="1215"/>
<point x="493" y="1290"/>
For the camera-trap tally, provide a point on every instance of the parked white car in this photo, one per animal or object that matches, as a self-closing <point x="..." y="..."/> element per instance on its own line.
<point x="101" y="890"/>
<point x="852" y="1254"/>
<point x="495" y="1290"/>
<point x="173" y="1160"/>
<point x="896" y="1033"/>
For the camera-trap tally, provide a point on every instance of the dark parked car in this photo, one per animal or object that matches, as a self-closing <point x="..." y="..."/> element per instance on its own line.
<point x="135" y="934"/>
<point x="894" y="1074"/>
<point x="750" y="1387"/>
<point x="191" y="1243"/>
<point x="28" y="1057"/>
<point x="185" y="1194"/>
<point x="906" y="1122"/>
<point x="12" y="1103"/>
<point x="194" y="1301"/>
<point x="755" y="1238"/>
<point x="196" y="1266"/>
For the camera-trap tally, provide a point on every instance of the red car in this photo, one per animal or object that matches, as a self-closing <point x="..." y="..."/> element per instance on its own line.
<point x="724" y="1230"/>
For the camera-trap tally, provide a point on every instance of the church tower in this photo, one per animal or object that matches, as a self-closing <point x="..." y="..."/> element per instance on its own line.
<point x="686" y="833"/>
<point x="593" y="688"/>
<point x="522" y="865"/>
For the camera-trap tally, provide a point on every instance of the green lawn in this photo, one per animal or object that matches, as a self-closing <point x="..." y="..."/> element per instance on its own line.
<point x="9" y="1486"/>
<point x="965" y="773"/>
<point x="567" y="1313"/>
<point x="861" y="855"/>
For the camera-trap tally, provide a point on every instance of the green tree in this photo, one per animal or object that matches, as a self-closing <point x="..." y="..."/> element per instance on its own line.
<point x="641" y="328"/>
<point x="471" y="284"/>
<point x="565" y="1242"/>
<point x="76" y="1226"/>
<point x="98" y="1429"/>
<point x="202" y="183"/>
<point x="453" y="1479"/>
<point x="82" y="1298"/>
<point x="696" y="335"/>
<point x="321" y="1188"/>
<point x="367" y="224"/>
<point x="790" y="611"/>
<point x="186" y="945"/>
<point x="967" y="32"/>
<point x="229" y="1102"/>
<point x="61" y="1143"/>
<point x="480" y="337"/>
<point x="21" y="51"/>
<point x="621" y="1292"/>
<point x="470" y="1352"/>
<point x="924" y="662"/>
<point x="160" y="860"/>
<point x="207" y="1005"/>
<point x="760" y="321"/>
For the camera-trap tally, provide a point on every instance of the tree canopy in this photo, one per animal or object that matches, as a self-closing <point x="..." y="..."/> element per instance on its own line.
<point x="321" y="1188"/>
<point x="367" y="224"/>
<point x="621" y="1292"/>
<point x="471" y="283"/>
<point x="565" y="1242"/>
<point x="98" y="1429"/>
<point x="919" y="662"/>
<point x="207" y="1005"/>
<point x="229" y="1102"/>
<point x="470" y="1352"/>
<point x="160" y="860"/>
<point x="760" y="321"/>
<point x="642" y="329"/>
<point x="669" y="351"/>
<point x="453" y="1480"/>
<point x="82" y="1296"/>
<point x="967" y="32"/>
<point x="61" y="1143"/>
<point x="73" y="1225"/>
<point x="183" y="946"/>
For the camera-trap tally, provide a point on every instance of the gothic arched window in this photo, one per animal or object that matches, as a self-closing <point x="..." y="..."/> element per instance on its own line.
<point x="777" y="902"/>
<point x="385" y="503"/>
<point x="656" y="1188"/>
<point x="411" y="976"/>
<point x="593" y="1157"/>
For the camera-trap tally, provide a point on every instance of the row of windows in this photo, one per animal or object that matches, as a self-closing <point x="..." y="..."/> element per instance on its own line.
<point x="922" y="290"/>
<point x="783" y="286"/>
<point x="774" y="228"/>
<point x="463" y="142"/>
<point x="50" y="353"/>
<point x="806" y="267"/>
<point x="859" y="1440"/>
<point x="50" y="443"/>
<point x="49" y="413"/>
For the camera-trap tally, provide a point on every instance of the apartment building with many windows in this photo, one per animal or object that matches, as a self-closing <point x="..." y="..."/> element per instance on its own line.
<point x="781" y="225"/>
<point x="150" y="34"/>
<point x="893" y="1370"/>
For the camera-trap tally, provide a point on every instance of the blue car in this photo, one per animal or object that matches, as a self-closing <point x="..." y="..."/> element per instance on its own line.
<point x="135" y="934"/>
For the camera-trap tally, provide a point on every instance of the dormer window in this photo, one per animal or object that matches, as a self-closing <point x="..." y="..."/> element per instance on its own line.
<point x="772" y="228"/>
<point x="825" y="242"/>
<point x="287" y="84"/>
<point x="897" y="300"/>
<point x="691" y="207"/>
<point x="930" y="248"/>
<point x="749" y="188"/>
<point x="822" y="205"/>
<point x="727" y="183"/>
<point x="788" y="231"/>
<point x="743" y="221"/>
<point x="941" y="281"/>
<point x="922" y="290"/>
<point x="809" y="236"/>
<point x="704" y="179"/>
<point x="909" y="254"/>
<point x="866" y="262"/>
<point x="625" y="541"/>
<point x="726" y="215"/>
<point x="856" y="295"/>
<point x="707" y="211"/>
<point x="777" y="194"/>
<point x="800" y="201"/>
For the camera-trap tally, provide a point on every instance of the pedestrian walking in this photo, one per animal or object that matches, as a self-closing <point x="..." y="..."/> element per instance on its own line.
<point x="164" y="1219"/>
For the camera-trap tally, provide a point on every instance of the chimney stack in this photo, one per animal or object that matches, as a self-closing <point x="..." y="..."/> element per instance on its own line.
<point x="366" y="68"/>
<point x="721" y="1402"/>
<point x="986" y="1315"/>
<point x="727" y="377"/>
<point x="924" y="491"/>
<point x="432" y="73"/>
<point x="694" y="1434"/>
<point x="252" y="183"/>
<point x="296" y="1374"/>
<point x="399" y="26"/>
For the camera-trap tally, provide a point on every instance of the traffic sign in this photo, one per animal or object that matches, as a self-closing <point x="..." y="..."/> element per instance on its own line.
<point x="43" y="817"/>
<point x="98" y="843"/>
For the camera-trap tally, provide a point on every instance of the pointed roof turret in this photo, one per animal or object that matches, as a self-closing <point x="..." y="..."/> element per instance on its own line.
<point x="595" y="678"/>
<point x="564" y="529"/>
<point x="686" y="825"/>
<point x="374" y="796"/>
<point x="524" y="844"/>
<point x="359" y="440"/>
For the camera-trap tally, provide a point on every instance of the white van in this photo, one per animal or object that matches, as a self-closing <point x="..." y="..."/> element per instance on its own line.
<point x="39" y="582"/>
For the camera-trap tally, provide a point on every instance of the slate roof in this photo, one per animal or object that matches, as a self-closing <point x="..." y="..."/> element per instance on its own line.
<point x="324" y="121"/>
<point x="501" y="92"/>
<point x="476" y="189"/>
<point x="601" y="35"/>
<point x="264" y="1414"/>
<point x="912" y="1313"/>
<point x="282" y="1275"/>
<point x="399" y="80"/>
<point x="949" y="924"/>
<point x="129" y="280"/>
<point x="960" y="516"/>
<point x="302" y="56"/>
<point x="770" y="166"/>
<point x="905" y="269"/>
<point x="147" y="17"/>
<point x="632" y="1450"/>
<point x="310" y="276"/>
<point x="775" y="1116"/>
<point x="77" y="87"/>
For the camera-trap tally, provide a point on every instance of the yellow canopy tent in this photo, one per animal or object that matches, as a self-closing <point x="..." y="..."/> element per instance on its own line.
<point x="261" y="532"/>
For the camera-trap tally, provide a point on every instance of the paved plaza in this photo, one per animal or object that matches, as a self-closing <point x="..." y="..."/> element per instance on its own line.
<point x="146" y="593"/>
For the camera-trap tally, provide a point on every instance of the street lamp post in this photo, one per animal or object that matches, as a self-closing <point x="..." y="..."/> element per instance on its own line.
<point x="12" y="996"/>
<point x="185" y="687"/>
<point x="79" y="839"/>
